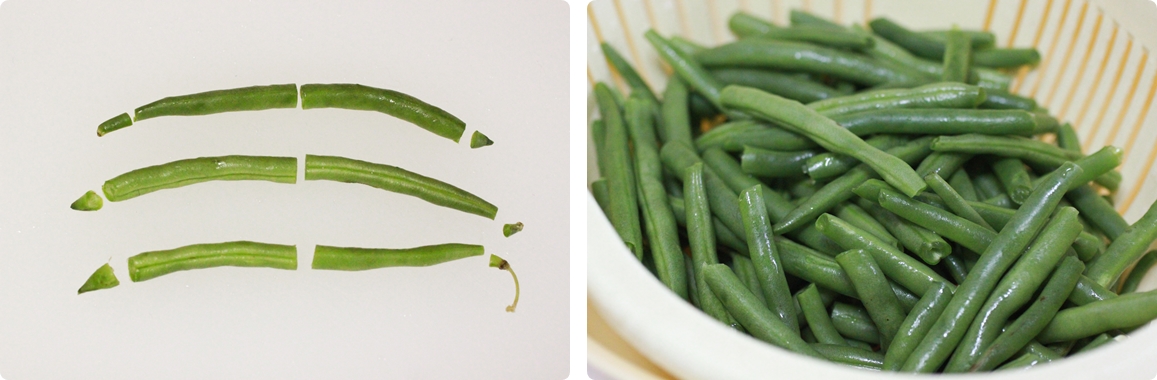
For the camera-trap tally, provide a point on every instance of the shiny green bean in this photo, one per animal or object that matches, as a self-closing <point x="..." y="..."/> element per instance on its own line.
<point x="236" y="99"/>
<point x="803" y="57"/>
<point x="859" y="217"/>
<point x="1014" y="177"/>
<point x="818" y="319"/>
<point x="1126" y="311"/>
<point x="358" y="259"/>
<point x="1004" y="100"/>
<point x="116" y="122"/>
<point x="916" y="325"/>
<point x="623" y="201"/>
<point x="196" y="170"/>
<point x="687" y="67"/>
<point x="935" y="95"/>
<point x="1125" y="249"/>
<point x="745" y="271"/>
<point x="765" y="257"/>
<point x="938" y="121"/>
<point x="857" y="357"/>
<point x="905" y="270"/>
<point x="701" y="238"/>
<point x="774" y="164"/>
<point x="1140" y="269"/>
<point x="853" y="322"/>
<point x="962" y="231"/>
<point x="877" y="296"/>
<point x="736" y="136"/>
<point x="785" y="85"/>
<point x="962" y="183"/>
<point x="153" y="264"/>
<point x="752" y="314"/>
<point x="954" y="201"/>
<point x="827" y="165"/>
<point x="1011" y="58"/>
<point x="658" y="221"/>
<point x="393" y="103"/>
<point x="925" y="244"/>
<point x="942" y="164"/>
<point x="677" y="157"/>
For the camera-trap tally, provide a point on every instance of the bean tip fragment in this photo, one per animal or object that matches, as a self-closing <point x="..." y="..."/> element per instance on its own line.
<point x="103" y="278"/>
<point x="511" y="229"/>
<point x="502" y="264"/>
<point x="90" y="201"/>
<point x="478" y="140"/>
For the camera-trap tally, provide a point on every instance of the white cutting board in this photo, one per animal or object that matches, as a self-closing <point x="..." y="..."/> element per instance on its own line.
<point x="65" y="67"/>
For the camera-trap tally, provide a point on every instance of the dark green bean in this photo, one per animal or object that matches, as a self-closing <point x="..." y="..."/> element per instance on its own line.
<point x="1003" y="100"/>
<point x="628" y="73"/>
<point x="935" y="95"/>
<point x="1005" y="58"/>
<point x="799" y="17"/>
<point x="987" y="186"/>
<point x="658" y="220"/>
<point x="835" y="39"/>
<point x="365" y="98"/>
<point x="814" y="267"/>
<point x="877" y="296"/>
<point x="1126" y="311"/>
<point x="968" y="234"/>
<point x="358" y="259"/>
<point x="745" y="271"/>
<point x="1098" y="211"/>
<point x="117" y="122"/>
<point x="598" y="139"/>
<point x="853" y="322"/>
<point x="942" y="164"/>
<point x="90" y="201"/>
<point x="620" y="173"/>
<point x="1033" y="320"/>
<point x="1024" y="361"/>
<point x="829" y="164"/>
<point x="1014" y="177"/>
<point x="859" y="217"/>
<point x="925" y="244"/>
<point x="803" y="57"/>
<point x="722" y="234"/>
<point x="977" y="39"/>
<point x="857" y="357"/>
<point x="937" y="121"/>
<point x="765" y="256"/>
<point x="1099" y="341"/>
<point x="903" y="269"/>
<point x="1088" y="291"/>
<point x="1140" y="269"/>
<point x="735" y="136"/>
<point x="954" y="201"/>
<point x="955" y="267"/>
<point x="599" y="192"/>
<point x="870" y="190"/>
<point x="1067" y="138"/>
<point x="676" y="115"/>
<point x="677" y="157"/>
<point x="818" y="319"/>
<point x="687" y="68"/>
<point x="395" y="179"/>
<point x="196" y="170"/>
<point x="1031" y="151"/>
<point x="918" y="43"/>
<point x="962" y="184"/>
<point x="1017" y="288"/>
<point x="774" y="164"/>
<point x="1125" y="249"/>
<point x="104" y="278"/>
<point x="701" y="236"/>
<point x="153" y="264"/>
<point x="994" y="261"/>
<point x="916" y="325"/>
<point x="788" y="86"/>
<point x="957" y="56"/>
<point x="754" y="317"/>
<point x="235" y="99"/>
<point x="478" y="140"/>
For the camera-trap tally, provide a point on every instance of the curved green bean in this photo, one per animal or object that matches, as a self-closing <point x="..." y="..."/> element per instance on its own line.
<point x="116" y="122"/>
<point x="153" y="264"/>
<point x="358" y="259"/>
<point x="1127" y="248"/>
<point x="751" y="313"/>
<point x="103" y="278"/>
<point x="478" y="140"/>
<point x="877" y="296"/>
<point x="916" y="325"/>
<point x="1140" y="269"/>
<point x="1126" y="311"/>
<point x="196" y="170"/>
<point x="395" y="179"/>
<point x="658" y="221"/>
<point x="390" y="102"/>
<point x="765" y="256"/>
<point x="204" y="103"/>
<point x="796" y="56"/>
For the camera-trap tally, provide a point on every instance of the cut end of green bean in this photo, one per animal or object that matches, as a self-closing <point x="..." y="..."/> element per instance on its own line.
<point x="103" y="278"/>
<point x="478" y="140"/>
<point x="117" y="122"/>
<point x="502" y="264"/>
<point x="511" y="229"/>
<point x="90" y="201"/>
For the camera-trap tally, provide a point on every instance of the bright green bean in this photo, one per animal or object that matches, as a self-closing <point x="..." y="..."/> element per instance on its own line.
<point x="796" y="56"/>
<point x="859" y="217"/>
<point x="962" y="183"/>
<point x="658" y="221"/>
<point x="1014" y="177"/>
<point x="599" y="191"/>
<point x="1098" y="211"/>
<point x="1089" y="291"/>
<point x="1003" y="100"/>
<point x="853" y="322"/>
<point x="153" y="264"/>
<point x="1126" y="311"/>
<point x="104" y="278"/>
<point x="236" y="99"/>
<point x="701" y="236"/>
<point x="935" y="95"/>
<point x="478" y="140"/>
<point x="1125" y="249"/>
<point x="1140" y="269"/>
<point x="916" y="325"/>
<point x="765" y="256"/>
<point x="117" y="122"/>
<point x="196" y="170"/>
<point x="752" y="314"/>
<point x="395" y="179"/>
<point x="358" y="259"/>
<point x="954" y="201"/>
<point x="774" y="164"/>
<point x="942" y="164"/>
<point x="677" y="157"/>
<point x="919" y="44"/>
<point x="393" y="103"/>
<point x="905" y="270"/>
<point x="90" y="201"/>
<point x="937" y="121"/>
<point x="877" y="296"/>
<point x="1005" y="58"/>
<point x="817" y="317"/>
<point x="925" y="244"/>
<point x="511" y="229"/>
<point x="1067" y="138"/>
<point x="788" y="86"/>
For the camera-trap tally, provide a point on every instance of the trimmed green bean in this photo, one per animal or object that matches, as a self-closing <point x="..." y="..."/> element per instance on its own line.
<point x="627" y="72"/>
<point x="1098" y="211"/>
<point x="754" y="317"/>
<point x="598" y="139"/>
<point x="502" y="264"/>
<point x="962" y="184"/>
<point x="829" y="164"/>
<point x="955" y="267"/>
<point x="204" y="103"/>
<point x="988" y="186"/>
<point x="916" y="325"/>
<point x="1099" y="341"/>
<point x="796" y="56"/>
<point x="918" y="43"/>
<point x="395" y="179"/>
<point x="968" y="234"/>
<point x="687" y="68"/>
<point x="977" y="39"/>
<point x="957" y="56"/>
<point x="358" y="259"/>
<point x="90" y="201"/>
<point x="859" y="217"/>
<point x="676" y="112"/>
<point x="745" y="271"/>
<point x="954" y="201"/>
<point x="994" y="261"/>
<point x="511" y="229"/>
<point x="1140" y="269"/>
<point x="1125" y="249"/>
<point x="393" y="103"/>
<point x="1004" y="100"/>
<point x="1031" y="151"/>
<point x="677" y="157"/>
<point x="814" y="267"/>
<point x="818" y="320"/>
<point x="658" y="221"/>
<point x="1024" y="361"/>
<point x="722" y="234"/>
<point x="937" y="121"/>
<point x="1011" y="58"/>
<point x="774" y="164"/>
<point x="765" y="256"/>
<point x="1033" y="320"/>
<point x="1014" y="177"/>
<point x="478" y="140"/>
<point x="196" y="170"/>
<point x="701" y="236"/>
<point x="877" y="296"/>
<point x="853" y="322"/>
<point x="1089" y="291"/>
<point x="1126" y="311"/>
<point x="857" y="357"/>
<point x="153" y="264"/>
<point x="117" y="122"/>
<point x="1067" y="138"/>
<point x="104" y="278"/>
<point x="925" y="244"/>
<point x="905" y="270"/>
<point x="736" y="136"/>
<point x="942" y="164"/>
<point x="935" y="95"/>
<point x="788" y="86"/>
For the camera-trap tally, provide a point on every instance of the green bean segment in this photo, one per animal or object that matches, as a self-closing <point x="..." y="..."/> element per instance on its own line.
<point x="774" y="164"/>
<point x="502" y="264"/>
<point x="817" y="317"/>
<point x="117" y="122"/>
<point x="735" y="136"/>
<point x="784" y="85"/>
<point x="236" y="99"/>
<point x="752" y="314"/>
<point x="1126" y="249"/>
<point x="854" y="322"/>
<point x="957" y="56"/>
<point x="1140" y="269"/>
<point x="874" y="292"/>
<point x="395" y="179"/>
<point x="916" y="325"/>
<point x="196" y="170"/>
<point x="358" y="259"/>
<point x="658" y="221"/>
<point x="390" y="102"/>
<point x="153" y="264"/>
<point x="765" y="256"/>
<point x="511" y="229"/>
<point x="103" y="278"/>
<point x="90" y="201"/>
<point x="701" y="236"/>
<point x="795" y="56"/>
<point x="935" y="95"/>
<point x="903" y="269"/>
<point x="842" y="353"/>
<point x="1127" y="311"/>
<point x="937" y="121"/>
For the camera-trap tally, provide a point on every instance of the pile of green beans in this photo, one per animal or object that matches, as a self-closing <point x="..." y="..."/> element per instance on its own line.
<point x="874" y="197"/>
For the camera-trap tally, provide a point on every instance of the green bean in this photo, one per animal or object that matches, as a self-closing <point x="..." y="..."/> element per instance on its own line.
<point x="692" y="288"/>
<point x="870" y="190"/>
<point x="677" y="157"/>
<point x="1067" y="138"/>
<point x="1036" y="348"/>
<point x="820" y="36"/>
<point x="1006" y="146"/>
<point x="511" y="229"/>
<point x="763" y="254"/>
<point x="658" y="221"/>
<point x="502" y="264"/>
<point x="987" y="186"/>
<point x="1014" y="177"/>
<point x="903" y="269"/>
<point x="599" y="191"/>
<point x="1126" y="311"/>
<point x="1098" y="211"/>
<point x="937" y="121"/>
<point x="736" y="136"/>
<point x="1099" y="341"/>
<point x="745" y="25"/>
<point x="859" y="217"/>
<point x="236" y="99"/>
<point x="722" y="234"/>
<point x="116" y="122"/>
<point x="916" y="325"/>
<point x="1140" y="269"/>
<point x="676" y="115"/>
<point x="994" y="261"/>
<point x="968" y="234"/>
<point x="628" y="73"/>
<point x="918" y="43"/>
<point x="478" y="140"/>
<point x="935" y="95"/>
<point x="90" y="201"/>
<point x="687" y="68"/>
<point x="1003" y="100"/>
<point x="395" y="179"/>
<point x="1005" y="58"/>
<point x="799" y="17"/>
<point x="774" y="164"/>
<point x="829" y="164"/>
<point x="840" y="189"/>
<point x="1018" y="287"/>
<point x="196" y="170"/>
<point x="1088" y="246"/>
<point x="977" y="39"/>
<point x="1024" y="361"/>
<point x="1125" y="249"/>
<point x="752" y="314"/>
<point x="925" y="244"/>
<point x="954" y="201"/>
<point x="828" y="134"/>
<point x="957" y="56"/>
<point x="784" y="85"/>
<point x="104" y="278"/>
<point x="358" y="259"/>
<point x="796" y="56"/>
<point x="857" y="357"/>
<point x="877" y="296"/>
<point x="701" y="236"/>
<point x="818" y="320"/>
<point x="962" y="184"/>
<point x="598" y="139"/>
<point x="745" y="271"/>
<point x="1089" y="291"/>
<point x="955" y="267"/>
<point x="942" y="164"/>
<point x="853" y="322"/>
<point x="393" y="103"/>
<point x="814" y="267"/>
<point x="153" y="264"/>
<point x="1033" y="320"/>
